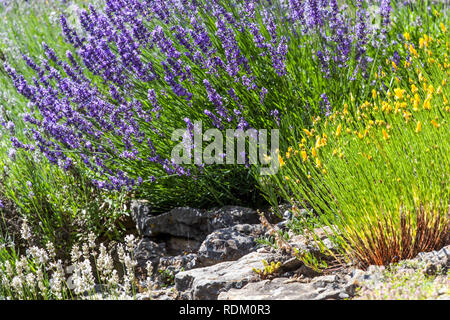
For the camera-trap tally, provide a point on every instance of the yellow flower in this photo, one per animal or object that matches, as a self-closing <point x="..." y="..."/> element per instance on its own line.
<point x="414" y="89"/>
<point x="407" y="36"/>
<point x="345" y="112"/>
<point x="443" y="27"/>
<point x="407" y="115"/>
<point x="304" y="155"/>
<point x="394" y="65"/>
<point x="385" y="134"/>
<point x="308" y="133"/>
<point x="399" y="93"/>
<point x="313" y="152"/>
<point x="318" y="163"/>
<point x="421" y="78"/>
<point x="435" y="124"/>
<point x="318" y="144"/>
<point x="413" y="50"/>
<point x="287" y="178"/>
<point x="288" y="155"/>
<point x="338" y="130"/>
<point x="281" y="161"/>
<point x="419" y="127"/>
<point x="427" y="104"/>
<point x="416" y="102"/>
<point x="374" y="93"/>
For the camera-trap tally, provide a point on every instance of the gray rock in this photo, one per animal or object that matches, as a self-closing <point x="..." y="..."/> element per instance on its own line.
<point x="229" y="216"/>
<point x="140" y="211"/>
<point x="179" y="263"/>
<point x="283" y="225"/>
<point x="439" y="258"/>
<point x="157" y="294"/>
<point x="180" y="222"/>
<point x="179" y="245"/>
<point x="290" y="264"/>
<point x="229" y="244"/>
<point x="188" y="222"/>
<point x="321" y="288"/>
<point x="148" y="250"/>
<point x="207" y="283"/>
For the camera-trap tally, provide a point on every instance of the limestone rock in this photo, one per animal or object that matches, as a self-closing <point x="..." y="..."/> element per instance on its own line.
<point x="320" y="288"/>
<point x="148" y="250"/>
<point x="207" y="283"/>
<point x="229" y="244"/>
<point x="188" y="222"/>
<point x="180" y="222"/>
<point x="179" y="263"/>
<point x="229" y="216"/>
<point x="140" y="211"/>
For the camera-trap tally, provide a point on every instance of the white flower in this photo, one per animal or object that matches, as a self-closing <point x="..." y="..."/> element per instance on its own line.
<point x="130" y="242"/>
<point x="91" y="240"/>
<point x="86" y="251"/>
<point x="58" y="279"/>
<point x="40" y="280"/>
<point x="121" y="253"/>
<point x="9" y="269"/>
<point x="105" y="263"/>
<point x="51" y="250"/>
<point x="83" y="278"/>
<point x="31" y="280"/>
<point x="17" y="284"/>
<point x="75" y="254"/>
<point x="25" y="231"/>
<point x="113" y="279"/>
<point x="38" y="254"/>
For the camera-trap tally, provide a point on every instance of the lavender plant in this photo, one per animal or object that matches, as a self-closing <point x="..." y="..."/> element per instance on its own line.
<point x="59" y="207"/>
<point x="140" y="69"/>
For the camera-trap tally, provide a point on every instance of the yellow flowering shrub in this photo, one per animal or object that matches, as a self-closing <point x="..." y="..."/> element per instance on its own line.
<point x="377" y="173"/>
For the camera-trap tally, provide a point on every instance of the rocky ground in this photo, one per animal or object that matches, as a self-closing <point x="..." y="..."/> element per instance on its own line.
<point x="213" y="254"/>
